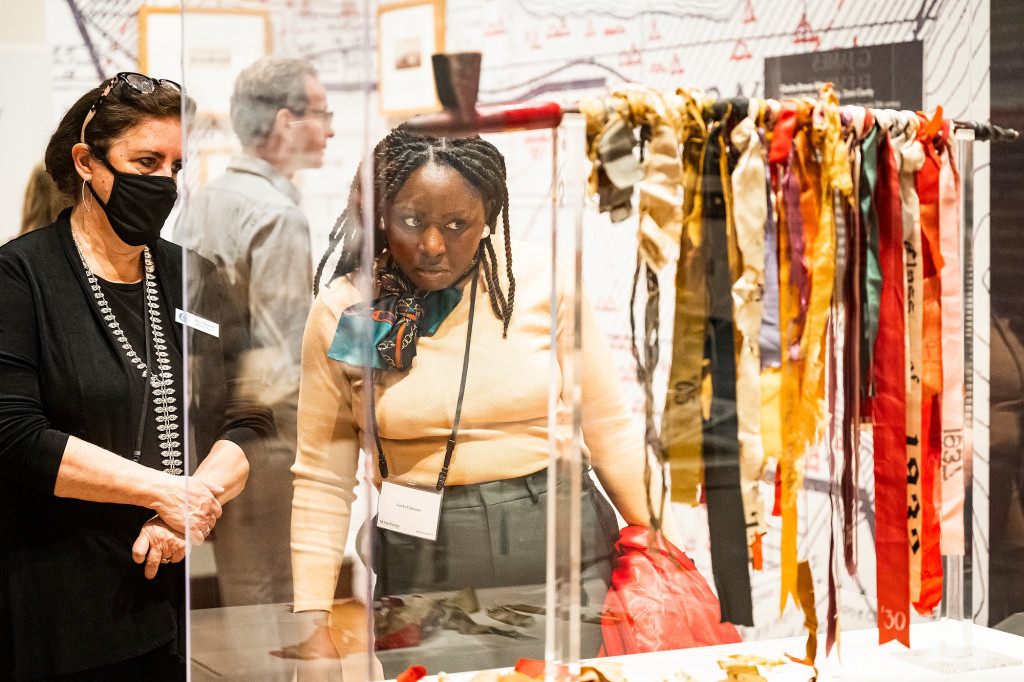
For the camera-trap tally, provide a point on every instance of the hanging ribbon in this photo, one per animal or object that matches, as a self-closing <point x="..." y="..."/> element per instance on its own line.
<point x="726" y="525"/>
<point x="911" y="159"/>
<point x="681" y="430"/>
<point x="953" y="445"/>
<point x="927" y="186"/>
<point x="661" y="190"/>
<point x="890" y="413"/>
<point x="836" y="440"/>
<point x="801" y="188"/>
<point x="871" y="282"/>
<point x="788" y="473"/>
<point x="862" y="289"/>
<point x="771" y="336"/>
<point x="834" y="177"/>
<point x="749" y="212"/>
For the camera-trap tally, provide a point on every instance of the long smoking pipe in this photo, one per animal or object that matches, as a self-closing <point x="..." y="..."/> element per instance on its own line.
<point x="457" y="79"/>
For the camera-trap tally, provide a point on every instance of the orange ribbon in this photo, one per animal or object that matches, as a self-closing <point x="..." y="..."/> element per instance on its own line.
<point x="927" y="185"/>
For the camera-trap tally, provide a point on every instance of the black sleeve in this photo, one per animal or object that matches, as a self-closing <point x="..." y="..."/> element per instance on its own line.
<point x="31" y="450"/>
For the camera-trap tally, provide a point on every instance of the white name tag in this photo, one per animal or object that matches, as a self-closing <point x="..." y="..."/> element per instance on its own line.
<point x="408" y="509"/>
<point x="196" y="322"/>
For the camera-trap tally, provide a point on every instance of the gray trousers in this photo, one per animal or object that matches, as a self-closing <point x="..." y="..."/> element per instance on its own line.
<point x="492" y="535"/>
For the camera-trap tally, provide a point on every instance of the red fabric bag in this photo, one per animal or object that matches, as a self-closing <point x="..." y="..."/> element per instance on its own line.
<point x="658" y="600"/>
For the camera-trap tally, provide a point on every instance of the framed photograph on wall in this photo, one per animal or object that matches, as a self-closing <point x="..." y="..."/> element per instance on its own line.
<point x="220" y="44"/>
<point x="408" y="33"/>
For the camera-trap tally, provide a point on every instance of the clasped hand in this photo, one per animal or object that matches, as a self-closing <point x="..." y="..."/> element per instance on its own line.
<point x="192" y="499"/>
<point x="162" y="538"/>
<point x="158" y="544"/>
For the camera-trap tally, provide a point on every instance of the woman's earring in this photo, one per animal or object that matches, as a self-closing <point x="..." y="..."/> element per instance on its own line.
<point x="84" y="200"/>
<point x="487" y="232"/>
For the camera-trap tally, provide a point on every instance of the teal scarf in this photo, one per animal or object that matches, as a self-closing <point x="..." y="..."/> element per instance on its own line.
<point x="396" y="318"/>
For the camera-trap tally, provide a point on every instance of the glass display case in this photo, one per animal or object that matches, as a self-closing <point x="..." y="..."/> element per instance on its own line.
<point x="565" y="339"/>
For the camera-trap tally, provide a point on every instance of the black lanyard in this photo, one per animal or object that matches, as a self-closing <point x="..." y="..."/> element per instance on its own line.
<point x="382" y="463"/>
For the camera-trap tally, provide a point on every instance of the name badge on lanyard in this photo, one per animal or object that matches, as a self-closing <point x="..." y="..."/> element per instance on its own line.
<point x="407" y="508"/>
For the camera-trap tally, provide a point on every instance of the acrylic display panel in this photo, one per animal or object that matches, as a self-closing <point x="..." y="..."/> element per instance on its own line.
<point x="241" y="599"/>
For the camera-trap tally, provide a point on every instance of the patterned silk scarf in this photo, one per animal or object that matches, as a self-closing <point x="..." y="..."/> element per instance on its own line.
<point x="397" y="317"/>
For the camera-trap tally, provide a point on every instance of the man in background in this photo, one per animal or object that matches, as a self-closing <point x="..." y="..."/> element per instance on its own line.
<point x="248" y="222"/>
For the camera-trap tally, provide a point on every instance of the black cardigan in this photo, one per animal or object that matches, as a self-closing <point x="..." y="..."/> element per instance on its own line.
<point x="71" y="597"/>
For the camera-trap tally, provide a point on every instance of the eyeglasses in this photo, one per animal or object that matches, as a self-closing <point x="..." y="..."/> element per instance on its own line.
<point x="138" y="82"/>
<point x="325" y="115"/>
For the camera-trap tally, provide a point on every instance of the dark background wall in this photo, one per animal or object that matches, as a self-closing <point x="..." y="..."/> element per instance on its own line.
<point x="1006" y="512"/>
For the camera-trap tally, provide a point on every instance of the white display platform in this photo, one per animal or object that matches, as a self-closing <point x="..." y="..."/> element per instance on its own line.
<point x="862" y="659"/>
<point x="235" y="644"/>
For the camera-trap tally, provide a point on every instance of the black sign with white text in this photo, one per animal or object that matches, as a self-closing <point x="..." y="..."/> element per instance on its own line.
<point x="879" y="76"/>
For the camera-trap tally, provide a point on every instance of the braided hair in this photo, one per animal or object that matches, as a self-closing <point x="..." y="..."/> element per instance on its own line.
<point x="395" y="159"/>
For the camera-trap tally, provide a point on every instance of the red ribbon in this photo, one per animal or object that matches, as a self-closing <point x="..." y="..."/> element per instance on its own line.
<point x="889" y="407"/>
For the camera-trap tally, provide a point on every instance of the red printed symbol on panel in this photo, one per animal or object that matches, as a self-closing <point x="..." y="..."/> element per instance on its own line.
<point x="630" y="57"/>
<point x="559" y="30"/>
<point x="748" y="13"/>
<point x="740" y="51"/>
<point x="805" y="33"/>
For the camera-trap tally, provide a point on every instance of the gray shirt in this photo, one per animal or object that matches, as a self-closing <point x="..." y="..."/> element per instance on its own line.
<point x="248" y="222"/>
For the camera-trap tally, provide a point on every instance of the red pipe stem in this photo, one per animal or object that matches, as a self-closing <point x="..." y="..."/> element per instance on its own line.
<point x="491" y="119"/>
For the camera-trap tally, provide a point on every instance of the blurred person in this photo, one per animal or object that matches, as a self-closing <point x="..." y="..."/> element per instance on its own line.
<point x="249" y="223"/>
<point x="43" y="201"/>
<point x="1006" y="477"/>
<point x="102" y="483"/>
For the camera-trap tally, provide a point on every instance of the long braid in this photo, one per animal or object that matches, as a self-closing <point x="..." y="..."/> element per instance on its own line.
<point x="395" y="159"/>
<point x="489" y="268"/>
<point x="508" y="265"/>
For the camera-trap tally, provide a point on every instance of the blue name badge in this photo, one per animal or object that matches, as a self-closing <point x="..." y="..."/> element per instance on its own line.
<point x="196" y="322"/>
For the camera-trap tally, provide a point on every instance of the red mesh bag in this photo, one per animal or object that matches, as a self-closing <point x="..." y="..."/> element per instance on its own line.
<point x="657" y="604"/>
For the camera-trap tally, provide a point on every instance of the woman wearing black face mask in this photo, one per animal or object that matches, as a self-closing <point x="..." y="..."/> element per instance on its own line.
<point x="102" y="482"/>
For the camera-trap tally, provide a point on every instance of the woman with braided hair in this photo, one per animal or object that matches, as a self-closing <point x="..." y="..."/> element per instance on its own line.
<point x="467" y="456"/>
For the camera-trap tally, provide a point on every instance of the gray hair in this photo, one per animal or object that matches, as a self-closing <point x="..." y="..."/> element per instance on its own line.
<point x="264" y="88"/>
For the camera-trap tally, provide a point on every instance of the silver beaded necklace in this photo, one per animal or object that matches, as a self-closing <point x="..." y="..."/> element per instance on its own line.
<point x="162" y="381"/>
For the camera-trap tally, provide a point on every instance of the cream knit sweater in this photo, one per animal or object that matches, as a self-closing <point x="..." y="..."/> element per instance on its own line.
<point x="503" y="431"/>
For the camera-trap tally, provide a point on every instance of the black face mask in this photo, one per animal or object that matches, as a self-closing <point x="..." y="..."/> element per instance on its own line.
<point x="138" y="205"/>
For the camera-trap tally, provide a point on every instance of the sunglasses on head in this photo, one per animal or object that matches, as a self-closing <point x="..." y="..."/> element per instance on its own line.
<point x="138" y="82"/>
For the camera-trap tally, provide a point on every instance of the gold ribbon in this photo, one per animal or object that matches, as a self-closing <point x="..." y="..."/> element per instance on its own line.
<point x="682" y="428"/>
<point x="793" y="425"/>
<point x="803" y="386"/>
<point x="749" y="211"/>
